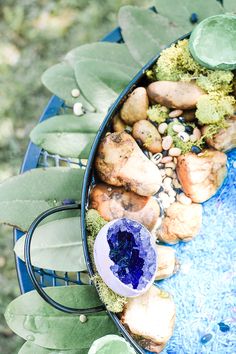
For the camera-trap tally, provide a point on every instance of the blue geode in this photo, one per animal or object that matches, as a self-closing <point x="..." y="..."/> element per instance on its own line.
<point x="132" y="253"/>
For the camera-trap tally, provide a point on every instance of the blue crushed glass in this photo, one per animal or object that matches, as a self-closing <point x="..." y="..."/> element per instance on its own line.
<point x="204" y="290"/>
<point x="206" y="338"/>
<point x="223" y="327"/>
<point x="132" y="253"/>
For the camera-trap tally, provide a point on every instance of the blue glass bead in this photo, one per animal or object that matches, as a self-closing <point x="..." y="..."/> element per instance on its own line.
<point x="181" y="119"/>
<point x="193" y="18"/>
<point x="68" y="201"/>
<point x="195" y="149"/>
<point x="206" y="338"/>
<point x="223" y="327"/>
<point x="169" y="120"/>
<point x="189" y="129"/>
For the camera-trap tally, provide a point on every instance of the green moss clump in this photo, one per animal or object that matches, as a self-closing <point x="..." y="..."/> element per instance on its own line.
<point x="177" y="64"/>
<point x="217" y="80"/>
<point x="184" y="146"/>
<point x="113" y="301"/>
<point x="158" y="113"/>
<point x="94" y="223"/>
<point x="214" y="107"/>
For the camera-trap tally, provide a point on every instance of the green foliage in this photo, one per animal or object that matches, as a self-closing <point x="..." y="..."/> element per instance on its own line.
<point x="145" y="32"/>
<point x="60" y="80"/>
<point x="68" y="135"/>
<point x="108" y="53"/>
<point x="230" y="6"/>
<point x="101" y="84"/>
<point x="33" y="319"/>
<point x="24" y="197"/>
<point x="56" y="245"/>
<point x="29" y="348"/>
<point x="158" y="113"/>
<point x="183" y="9"/>
<point x="214" y="107"/>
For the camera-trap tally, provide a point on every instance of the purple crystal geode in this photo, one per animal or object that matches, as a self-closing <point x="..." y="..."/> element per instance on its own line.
<point x="125" y="256"/>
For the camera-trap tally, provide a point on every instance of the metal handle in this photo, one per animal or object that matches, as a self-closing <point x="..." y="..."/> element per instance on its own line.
<point x="30" y="269"/>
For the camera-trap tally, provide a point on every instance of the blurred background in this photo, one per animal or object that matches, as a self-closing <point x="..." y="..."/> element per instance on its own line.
<point x="35" y="34"/>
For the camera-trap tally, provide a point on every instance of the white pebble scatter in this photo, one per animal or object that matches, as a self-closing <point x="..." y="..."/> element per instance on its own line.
<point x="75" y="93"/>
<point x="183" y="199"/>
<point x="204" y="288"/>
<point x="175" y="152"/>
<point x="156" y="158"/>
<point x="166" y="159"/>
<point x="162" y="128"/>
<point x="78" y="109"/>
<point x="175" y="113"/>
<point x="178" y="128"/>
<point x="167" y="142"/>
<point x="184" y="137"/>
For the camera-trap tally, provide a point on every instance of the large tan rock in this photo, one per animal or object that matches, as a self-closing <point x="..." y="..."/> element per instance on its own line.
<point x="150" y="317"/>
<point x="175" y="94"/>
<point x="114" y="202"/>
<point x="120" y="162"/>
<point x="201" y="175"/>
<point x="226" y="138"/>
<point x="181" y="223"/>
<point x="135" y="107"/>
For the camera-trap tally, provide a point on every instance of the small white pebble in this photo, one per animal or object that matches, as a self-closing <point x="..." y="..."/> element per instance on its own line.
<point x="167" y="142"/>
<point x="109" y="189"/>
<point x="167" y="182"/>
<point x="169" y="172"/>
<point x="183" y="199"/>
<point x="174" y="151"/>
<point x="171" y="193"/>
<point x="162" y="128"/>
<point x="176" y="183"/>
<point x="172" y="199"/>
<point x="175" y="160"/>
<point x="178" y="128"/>
<point x="83" y="318"/>
<point x="166" y="159"/>
<point x="156" y="158"/>
<point x="175" y="113"/>
<point x="162" y="172"/>
<point x="165" y="199"/>
<point x="184" y="137"/>
<point x="197" y="133"/>
<point x="193" y="138"/>
<point x="170" y="165"/>
<point x="75" y="92"/>
<point x="174" y="175"/>
<point x="78" y="109"/>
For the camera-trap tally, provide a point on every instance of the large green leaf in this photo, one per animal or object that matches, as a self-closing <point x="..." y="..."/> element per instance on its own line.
<point x="230" y="6"/>
<point x="56" y="245"/>
<point x="181" y="12"/>
<point x="105" y="52"/>
<point x="60" y="80"/>
<point x="33" y="319"/>
<point x="101" y="84"/>
<point x="68" y="135"/>
<point x="31" y="348"/>
<point x="146" y="32"/>
<point x="24" y="197"/>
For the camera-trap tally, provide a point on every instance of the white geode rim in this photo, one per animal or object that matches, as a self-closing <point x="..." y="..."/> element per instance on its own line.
<point x="103" y="262"/>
